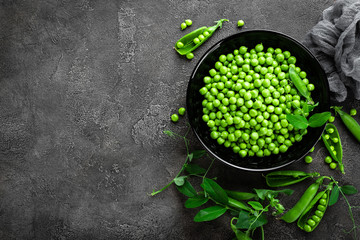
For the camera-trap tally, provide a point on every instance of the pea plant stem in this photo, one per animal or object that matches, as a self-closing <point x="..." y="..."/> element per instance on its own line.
<point x="182" y="168"/>
<point x="349" y="208"/>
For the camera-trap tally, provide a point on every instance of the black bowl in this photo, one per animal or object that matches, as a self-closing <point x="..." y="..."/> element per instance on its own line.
<point x="305" y="60"/>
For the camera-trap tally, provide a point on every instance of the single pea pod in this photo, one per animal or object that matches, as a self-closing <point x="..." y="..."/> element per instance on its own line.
<point x="299" y="84"/>
<point x="313" y="214"/>
<point x="331" y="138"/>
<point x="349" y="122"/>
<point x="188" y="44"/>
<point x="240" y="196"/>
<point x="295" y="212"/>
<point x="285" y="178"/>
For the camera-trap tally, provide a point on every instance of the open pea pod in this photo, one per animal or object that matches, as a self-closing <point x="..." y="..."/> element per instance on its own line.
<point x="289" y="177"/>
<point x="331" y="138"/>
<point x="188" y="42"/>
<point x="314" y="212"/>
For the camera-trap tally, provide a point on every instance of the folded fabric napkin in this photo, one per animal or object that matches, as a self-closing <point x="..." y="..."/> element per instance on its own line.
<point x="335" y="41"/>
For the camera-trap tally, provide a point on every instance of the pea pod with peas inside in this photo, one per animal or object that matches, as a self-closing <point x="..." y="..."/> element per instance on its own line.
<point x="349" y="122"/>
<point x="289" y="177"/>
<point x="193" y="40"/>
<point x="331" y="139"/>
<point x="299" y="84"/>
<point x="312" y="216"/>
<point x="295" y="212"/>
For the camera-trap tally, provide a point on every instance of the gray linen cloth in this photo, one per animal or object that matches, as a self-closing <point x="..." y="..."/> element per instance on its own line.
<point x="335" y="41"/>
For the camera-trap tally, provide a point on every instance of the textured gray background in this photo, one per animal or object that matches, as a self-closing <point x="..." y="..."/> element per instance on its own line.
<point x="87" y="87"/>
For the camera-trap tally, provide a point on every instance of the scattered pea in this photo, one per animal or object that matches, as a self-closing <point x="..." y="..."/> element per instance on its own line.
<point x="312" y="149"/>
<point x="353" y="112"/>
<point x="174" y="117"/>
<point x="190" y="55"/>
<point x="188" y="22"/>
<point x="240" y="23"/>
<point x="331" y="119"/>
<point x="308" y="159"/>
<point x="181" y="111"/>
<point x="183" y="26"/>
<point x="328" y="160"/>
<point x="333" y="165"/>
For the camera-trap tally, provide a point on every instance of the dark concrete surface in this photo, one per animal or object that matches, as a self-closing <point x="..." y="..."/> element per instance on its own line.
<point x="86" y="89"/>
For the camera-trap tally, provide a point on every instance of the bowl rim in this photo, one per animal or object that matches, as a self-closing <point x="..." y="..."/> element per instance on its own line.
<point x="213" y="48"/>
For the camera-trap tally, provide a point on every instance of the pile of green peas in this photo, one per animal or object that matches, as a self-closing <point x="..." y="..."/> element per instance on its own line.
<point x="246" y="98"/>
<point x="318" y="214"/>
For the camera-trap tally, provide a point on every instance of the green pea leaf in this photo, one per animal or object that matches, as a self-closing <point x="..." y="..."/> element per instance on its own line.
<point x="349" y="189"/>
<point x="256" y="205"/>
<point x="209" y="213"/>
<point x="334" y="196"/>
<point x="187" y="189"/>
<point x="191" y="156"/>
<point x="247" y="220"/>
<point x="194" y="169"/>
<point x="215" y="191"/>
<point x="196" y="201"/>
<point x="319" y="119"/>
<point x="179" y="181"/>
<point x="198" y="153"/>
<point x="297" y="121"/>
<point x="169" y="133"/>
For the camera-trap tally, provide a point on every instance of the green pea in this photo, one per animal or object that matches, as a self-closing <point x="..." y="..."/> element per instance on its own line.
<point x="181" y="111"/>
<point x="316" y="218"/>
<point x="190" y="55"/>
<point x="307" y="228"/>
<point x="308" y="159"/>
<point x="188" y="22"/>
<point x="174" y="117"/>
<point x="322" y="202"/>
<point x="333" y="165"/>
<point x="311" y="222"/>
<point x="321" y="208"/>
<point x="240" y="23"/>
<point x="353" y="112"/>
<point x="319" y="213"/>
<point x="331" y="119"/>
<point x="183" y="26"/>
<point x="179" y="44"/>
<point x="196" y="40"/>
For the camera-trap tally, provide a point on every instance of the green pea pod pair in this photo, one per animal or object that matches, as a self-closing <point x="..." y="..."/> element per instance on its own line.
<point x="328" y="138"/>
<point x="311" y="217"/>
<point x="349" y="122"/>
<point x="294" y="213"/>
<point x="188" y="42"/>
<point x="285" y="178"/>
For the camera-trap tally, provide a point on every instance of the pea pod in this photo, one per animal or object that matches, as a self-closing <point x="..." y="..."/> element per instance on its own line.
<point x="285" y="178"/>
<point x="328" y="139"/>
<point x="311" y="217"/>
<point x="349" y="122"/>
<point x="294" y="213"/>
<point x="299" y="84"/>
<point x="188" y="42"/>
